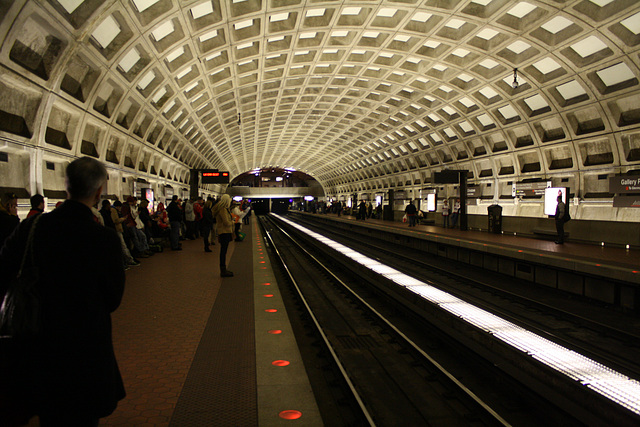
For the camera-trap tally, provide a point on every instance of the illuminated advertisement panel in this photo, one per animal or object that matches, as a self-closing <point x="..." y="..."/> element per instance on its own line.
<point x="431" y="202"/>
<point x="551" y="199"/>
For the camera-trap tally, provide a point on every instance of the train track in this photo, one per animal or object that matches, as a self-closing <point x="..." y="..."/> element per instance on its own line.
<point x="399" y="370"/>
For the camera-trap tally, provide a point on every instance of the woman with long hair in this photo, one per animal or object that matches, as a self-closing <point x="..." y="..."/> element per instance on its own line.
<point x="224" y="226"/>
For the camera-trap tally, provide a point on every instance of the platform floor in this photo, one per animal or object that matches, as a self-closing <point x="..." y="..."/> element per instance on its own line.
<point x="609" y="255"/>
<point x="198" y="350"/>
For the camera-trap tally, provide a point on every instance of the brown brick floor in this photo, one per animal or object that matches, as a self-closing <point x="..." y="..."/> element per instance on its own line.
<point x="156" y="330"/>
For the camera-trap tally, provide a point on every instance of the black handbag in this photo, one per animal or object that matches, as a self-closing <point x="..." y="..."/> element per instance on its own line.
<point x="20" y="310"/>
<point x="19" y="323"/>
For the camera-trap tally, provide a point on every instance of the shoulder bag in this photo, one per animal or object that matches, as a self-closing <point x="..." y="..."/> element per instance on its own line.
<point x="19" y="321"/>
<point x="20" y="310"/>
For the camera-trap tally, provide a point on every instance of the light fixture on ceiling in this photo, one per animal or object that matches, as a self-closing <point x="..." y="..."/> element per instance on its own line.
<point x="239" y="119"/>
<point x="515" y="83"/>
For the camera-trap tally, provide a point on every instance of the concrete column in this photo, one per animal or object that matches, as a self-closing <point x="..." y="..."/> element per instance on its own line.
<point x="36" y="185"/>
<point x="194" y="179"/>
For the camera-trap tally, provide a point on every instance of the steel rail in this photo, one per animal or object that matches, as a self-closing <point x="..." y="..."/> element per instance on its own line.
<point x="355" y="393"/>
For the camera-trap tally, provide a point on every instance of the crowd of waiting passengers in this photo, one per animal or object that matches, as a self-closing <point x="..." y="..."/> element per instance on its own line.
<point x="143" y="231"/>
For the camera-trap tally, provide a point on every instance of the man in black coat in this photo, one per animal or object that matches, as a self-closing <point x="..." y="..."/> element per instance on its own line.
<point x="411" y="211"/>
<point x="175" y="220"/>
<point x="559" y="218"/>
<point x="72" y="376"/>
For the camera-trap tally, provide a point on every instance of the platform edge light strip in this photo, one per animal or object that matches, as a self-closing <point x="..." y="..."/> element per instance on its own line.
<point x="613" y="385"/>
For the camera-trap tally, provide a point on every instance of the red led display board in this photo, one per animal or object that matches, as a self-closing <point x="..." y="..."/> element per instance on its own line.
<point x="215" y="177"/>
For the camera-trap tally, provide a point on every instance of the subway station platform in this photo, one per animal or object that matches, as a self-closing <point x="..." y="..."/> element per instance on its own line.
<point x="195" y="349"/>
<point x="625" y="260"/>
<point x="198" y="350"/>
<point x="604" y="273"/>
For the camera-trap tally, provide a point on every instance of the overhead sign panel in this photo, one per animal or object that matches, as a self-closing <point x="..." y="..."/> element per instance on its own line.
<point x="447" y="177"/>
<point x="522" y="189"/>
<point x="215" y="177"/>
<point x="624" y="184"/>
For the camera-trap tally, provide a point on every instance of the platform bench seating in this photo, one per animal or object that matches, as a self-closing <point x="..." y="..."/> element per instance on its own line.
<point x="547" y="232"/>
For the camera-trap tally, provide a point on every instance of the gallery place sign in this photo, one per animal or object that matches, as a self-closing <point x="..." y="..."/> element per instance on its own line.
<point x="622" y="184"/>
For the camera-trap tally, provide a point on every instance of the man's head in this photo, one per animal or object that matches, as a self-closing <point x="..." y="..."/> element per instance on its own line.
<point x="37" y="201"/>
<point x="174" y="198"/>
<point x="106" y="204"/>
<point x="131" y="200"/>
<point x="10" y="203"/>
<point x="84" y="180"/>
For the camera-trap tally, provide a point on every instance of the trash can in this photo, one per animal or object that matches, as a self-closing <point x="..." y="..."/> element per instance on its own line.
<point x="495" y="219"/>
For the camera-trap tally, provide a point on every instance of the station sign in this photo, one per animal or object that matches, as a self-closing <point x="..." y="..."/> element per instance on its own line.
<point x="400" y="195"/>
<point x="474" y="192"/>
<point x="215" y="177"/>
<point x="621" y="184"/>
<point x="523" y="189"/>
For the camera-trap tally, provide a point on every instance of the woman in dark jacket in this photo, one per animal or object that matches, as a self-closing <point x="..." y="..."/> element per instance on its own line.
<point x="207" y="224"/>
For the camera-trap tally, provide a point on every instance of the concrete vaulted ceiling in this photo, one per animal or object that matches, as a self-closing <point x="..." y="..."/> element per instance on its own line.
<point x="359" y="94"/>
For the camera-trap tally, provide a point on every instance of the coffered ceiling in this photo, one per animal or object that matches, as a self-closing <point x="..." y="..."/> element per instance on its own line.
<point x="355" y="93"/>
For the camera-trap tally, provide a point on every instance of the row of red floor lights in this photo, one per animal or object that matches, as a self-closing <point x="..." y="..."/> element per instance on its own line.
<point x="289" y="414"/>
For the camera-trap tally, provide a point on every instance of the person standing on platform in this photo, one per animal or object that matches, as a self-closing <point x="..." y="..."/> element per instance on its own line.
<point x="9" y="219"/>
<point x="71" y="374"/>
<point x="362" y="210"/>
<point x="410" y="211"/>
<point x="175" y="222"/>
<point x="207" y="223"/>
<point x="445" y="214"/>
<point x="559" y="217"/>
<point x="197" y="211"/>
<point x="246" y="204"/>
<point x="339" y="207"/>
<point x="238" y="214"/>
<point x="224" y="226"/>
<point x="455" y="214"/>
<point x="37" y="205"/>
<point x="189" y="219"/>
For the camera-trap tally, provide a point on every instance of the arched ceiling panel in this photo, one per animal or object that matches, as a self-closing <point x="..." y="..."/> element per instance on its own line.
<point x="337" y="89"/>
